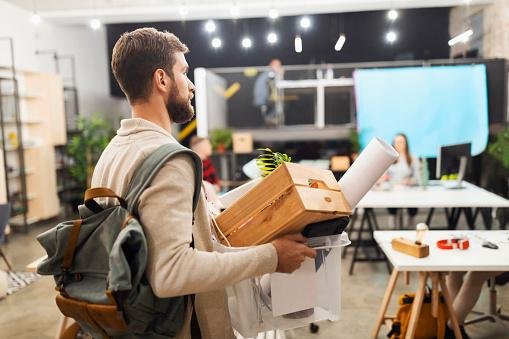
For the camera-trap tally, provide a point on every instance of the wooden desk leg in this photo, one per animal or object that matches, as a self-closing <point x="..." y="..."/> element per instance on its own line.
<point x="434" y="295"/>
<point x="448" y="302"/>
<point x="416" y="305"/>
<point x="385" y="302"/>
<point x="406" y="276"/>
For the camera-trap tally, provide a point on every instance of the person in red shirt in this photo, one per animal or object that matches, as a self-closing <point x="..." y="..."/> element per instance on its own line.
<point x="203" y="148"/>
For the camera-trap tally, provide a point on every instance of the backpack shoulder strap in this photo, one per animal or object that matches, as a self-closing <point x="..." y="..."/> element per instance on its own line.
<point x="146" y="172"/>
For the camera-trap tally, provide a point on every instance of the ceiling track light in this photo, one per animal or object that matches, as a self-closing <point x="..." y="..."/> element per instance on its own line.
<point x="36" y="18"/>
<point x="183" y="11"/>
<point x="95" y="24"/>
<point x="340" y="42"/>
<point x="392" y="14"/>
<point x="273" y="13"/>
<point x="463" y="37"/>
<point x="305" y="22"/>
<point x="272" y="38"/>
<point x="298" y="44"/>
<point x="246" y="43"/>
<point x="210" y="26"/>
<point x="391" y="37"/>
<point x="235" y="11"/>
<point x="216" y="43"/>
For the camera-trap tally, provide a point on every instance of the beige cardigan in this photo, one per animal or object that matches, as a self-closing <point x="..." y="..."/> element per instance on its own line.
<point x="174" y="268"/>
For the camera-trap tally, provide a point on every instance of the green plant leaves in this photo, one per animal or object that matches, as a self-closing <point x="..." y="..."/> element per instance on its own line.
<point x="86" y="147"/>
<point x="500" y="148"/>
<point x="268" y="161"/>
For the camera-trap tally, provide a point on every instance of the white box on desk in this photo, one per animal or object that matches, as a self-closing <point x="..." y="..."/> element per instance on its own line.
<point x="252" y="311"/>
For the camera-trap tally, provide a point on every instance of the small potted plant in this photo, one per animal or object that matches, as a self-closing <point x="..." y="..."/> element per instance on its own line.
<point x="221" y="139"/>
<point x="268" y="161"/>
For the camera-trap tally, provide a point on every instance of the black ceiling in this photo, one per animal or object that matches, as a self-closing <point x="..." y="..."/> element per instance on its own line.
<point x="422" y="34"/>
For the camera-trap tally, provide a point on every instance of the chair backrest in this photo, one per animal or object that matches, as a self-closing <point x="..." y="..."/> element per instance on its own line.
<point x="5" y="213"/>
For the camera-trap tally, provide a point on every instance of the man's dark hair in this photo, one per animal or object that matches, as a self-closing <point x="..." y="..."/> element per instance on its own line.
<point x="138" y="54"/>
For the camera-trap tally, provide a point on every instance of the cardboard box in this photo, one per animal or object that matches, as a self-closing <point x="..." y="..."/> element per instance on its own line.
<point x="284" y="202"/>
<point x="242" y="143"/>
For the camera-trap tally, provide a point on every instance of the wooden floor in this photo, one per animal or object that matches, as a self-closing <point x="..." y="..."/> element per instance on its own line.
<point x="31" y="312"/>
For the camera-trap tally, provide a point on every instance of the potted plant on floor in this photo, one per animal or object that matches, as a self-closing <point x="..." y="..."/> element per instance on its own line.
<point x="86" y="147"/>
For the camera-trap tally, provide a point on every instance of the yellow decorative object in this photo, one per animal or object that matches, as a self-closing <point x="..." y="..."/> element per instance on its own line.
<point x="13" y="139"/>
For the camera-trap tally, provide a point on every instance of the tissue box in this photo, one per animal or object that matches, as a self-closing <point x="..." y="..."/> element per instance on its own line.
<point x="284" y="202"/>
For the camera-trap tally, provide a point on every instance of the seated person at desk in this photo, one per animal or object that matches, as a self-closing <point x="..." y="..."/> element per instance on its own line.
<point x="465" y="289"/>
<point x="405" y="171"/>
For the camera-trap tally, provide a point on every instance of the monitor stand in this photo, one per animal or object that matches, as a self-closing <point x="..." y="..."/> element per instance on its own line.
<point x="456" y="184"/>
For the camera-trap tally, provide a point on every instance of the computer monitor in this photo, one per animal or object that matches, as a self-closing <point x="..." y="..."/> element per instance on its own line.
<point x="453" y="159"/>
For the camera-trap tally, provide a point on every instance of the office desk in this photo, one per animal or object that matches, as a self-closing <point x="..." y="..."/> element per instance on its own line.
<point x="468" y="199"/>
<point x="476" y="258"/>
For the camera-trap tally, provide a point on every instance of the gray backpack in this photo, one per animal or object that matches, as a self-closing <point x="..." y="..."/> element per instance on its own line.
<point x="99" y="262"/>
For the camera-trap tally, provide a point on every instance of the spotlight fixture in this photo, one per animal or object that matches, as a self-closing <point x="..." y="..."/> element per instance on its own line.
<point x="340" y="42"/>
<point x="183" y="11"/>
<point x="36" y="18"/>
<point x="392" y="14"/>
<point x="391" y="37"/>
<point x="272" y="38"/>
<point x="463" y="37"/>
<point x="273" y="13"/>
<point x="95" y="24"/>
<point x="234" y="11"/>
<point x="246" y="43"/>
<point x="210" y="26"/>
<point x="216" y="43"/>
<point x="305" y="22"/>
<point x="298" y="44"/>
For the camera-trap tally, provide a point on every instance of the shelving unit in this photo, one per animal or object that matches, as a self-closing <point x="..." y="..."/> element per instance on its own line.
<point x="32" y="123"/>
<point x="69" y="191"/>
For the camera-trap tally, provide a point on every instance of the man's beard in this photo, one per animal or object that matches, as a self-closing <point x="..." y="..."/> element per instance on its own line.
<point x="179" y="110"/>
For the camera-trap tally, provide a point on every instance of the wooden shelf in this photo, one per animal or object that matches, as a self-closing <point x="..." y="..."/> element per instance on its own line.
<point x="19" y="220"/>
<point x="28" y="96"/>
<point x="14" y="149"/>
<point x="11" y="121"/>
<point x="15" y="174"/>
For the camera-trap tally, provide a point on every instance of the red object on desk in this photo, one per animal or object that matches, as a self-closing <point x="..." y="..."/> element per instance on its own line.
<point x="454" y="243"/>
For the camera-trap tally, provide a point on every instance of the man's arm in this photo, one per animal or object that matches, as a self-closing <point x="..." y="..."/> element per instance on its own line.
<point x="174" y="267"/>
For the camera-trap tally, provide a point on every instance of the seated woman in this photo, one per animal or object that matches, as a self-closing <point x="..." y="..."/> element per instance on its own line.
<point x="405" y="171"/>
<point x="465" y="289"/>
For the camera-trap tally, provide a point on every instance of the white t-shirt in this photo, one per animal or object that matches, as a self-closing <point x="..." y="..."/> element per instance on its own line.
<point x="400" y="170"/>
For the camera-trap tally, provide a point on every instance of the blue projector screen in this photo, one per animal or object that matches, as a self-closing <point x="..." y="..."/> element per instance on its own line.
<point x="433" y="106"/>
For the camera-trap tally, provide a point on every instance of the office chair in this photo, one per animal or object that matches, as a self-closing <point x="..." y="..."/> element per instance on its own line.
<point x="5" y="213"/>
<point x="494" y="311"/>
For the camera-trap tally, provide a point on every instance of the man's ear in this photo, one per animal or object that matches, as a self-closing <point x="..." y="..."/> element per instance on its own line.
<point x="161" y="80"/>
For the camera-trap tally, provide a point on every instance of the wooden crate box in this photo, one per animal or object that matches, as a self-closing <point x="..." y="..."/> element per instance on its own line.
<point x="284" y="202"/>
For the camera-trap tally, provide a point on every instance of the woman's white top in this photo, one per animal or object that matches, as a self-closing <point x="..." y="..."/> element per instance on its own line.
<point x="400" y="170"/>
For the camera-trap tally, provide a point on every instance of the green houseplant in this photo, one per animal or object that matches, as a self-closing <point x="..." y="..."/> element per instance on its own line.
<point x="86" y="147"/>
<point x="499" y="149"/>
<point x="221" y="139"/>
<point x="268" y="161"/>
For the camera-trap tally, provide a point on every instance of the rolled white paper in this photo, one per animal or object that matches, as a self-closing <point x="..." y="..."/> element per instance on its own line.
<point x="374" y="160"/>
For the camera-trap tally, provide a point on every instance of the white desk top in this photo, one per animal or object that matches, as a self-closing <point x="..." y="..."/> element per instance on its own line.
<point x="433" y="196"/>
<point x="476" y="258"/>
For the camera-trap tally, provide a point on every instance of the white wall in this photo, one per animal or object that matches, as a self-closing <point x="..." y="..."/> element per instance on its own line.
<point x="88" y="47"/>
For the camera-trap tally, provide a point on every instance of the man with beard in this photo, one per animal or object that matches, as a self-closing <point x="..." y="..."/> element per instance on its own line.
<point x="151" y="69"/>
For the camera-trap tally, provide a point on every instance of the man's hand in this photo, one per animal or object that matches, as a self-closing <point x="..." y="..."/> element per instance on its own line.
<point x="291" y="252"/>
